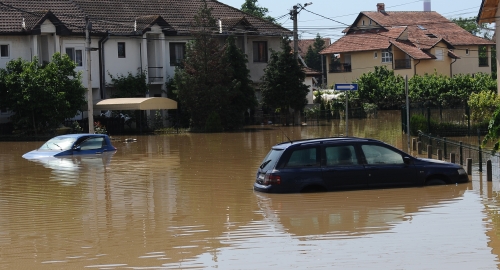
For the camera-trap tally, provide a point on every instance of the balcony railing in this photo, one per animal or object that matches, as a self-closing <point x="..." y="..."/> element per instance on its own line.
<point x="337" y="67"/>
<point x="402" y="64"/>
<point x="155" y="74"/>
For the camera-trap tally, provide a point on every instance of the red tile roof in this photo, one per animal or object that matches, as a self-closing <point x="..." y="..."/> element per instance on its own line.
<point x="365" y="40"/>
<point x="119" y="16"/>
<point x="428" y="23"/>
<point x="424" y="29"/>
<point x="311" y="72"/>
<point x="304" y="44"/>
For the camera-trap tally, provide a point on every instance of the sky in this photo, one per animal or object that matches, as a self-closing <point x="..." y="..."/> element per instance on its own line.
<point x="329" y="17"/>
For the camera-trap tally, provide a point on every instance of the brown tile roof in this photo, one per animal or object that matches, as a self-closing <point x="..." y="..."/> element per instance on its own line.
<point x="410" y="31"/>
<point x="119" y="16"/>
<point x="365" y="41"/>
<point x="304" y="44"/>
<point x="411" y="50"/>
<point x="433" y="23"/>
<point x="311" y="72"/>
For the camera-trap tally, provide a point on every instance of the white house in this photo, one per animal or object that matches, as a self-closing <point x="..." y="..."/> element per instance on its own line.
<point x="126" y="36"/>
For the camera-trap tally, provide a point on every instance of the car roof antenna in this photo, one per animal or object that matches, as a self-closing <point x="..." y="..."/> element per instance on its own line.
<point x="285" y="135"/>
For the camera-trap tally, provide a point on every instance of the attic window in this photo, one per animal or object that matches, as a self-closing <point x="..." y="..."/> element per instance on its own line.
<point x="370" y="21"/>
<point x="363" y="22"/>
<point x="421" y="27"/>
<point x="431" y="35"/>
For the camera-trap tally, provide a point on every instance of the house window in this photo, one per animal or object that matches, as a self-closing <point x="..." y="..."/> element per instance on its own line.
<point x="386" y="56"/>
<point x="75" y="54"/>
<point x="375" y="55"/>
<point x="177" y="53"/>
<point x="363" y="22"/>
<point x="466" y="51"/>
<point x="483" y="56"/>
<point x="370" y="22"/>
<point x="260" y="51"/>
<point x="439" y="55"/>
<point x="121" y="49"/>
<point x="4" y="51"/>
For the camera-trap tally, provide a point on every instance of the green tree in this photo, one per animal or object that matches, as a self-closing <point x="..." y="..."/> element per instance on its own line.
<point x="241" y="94"/>
<point x="213" y="80"/>
<point x="470" y="25"/>
<point x="283" y="85"/>
<point x="381" y="87"/>
<point x="251" y="7"/>
<point x="130" y="85"/>
<point x="41" y="97"/>
<point x="313" y="58"/>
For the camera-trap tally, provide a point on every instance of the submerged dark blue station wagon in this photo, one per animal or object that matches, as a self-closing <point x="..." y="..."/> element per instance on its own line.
<point x="347" y="162"/>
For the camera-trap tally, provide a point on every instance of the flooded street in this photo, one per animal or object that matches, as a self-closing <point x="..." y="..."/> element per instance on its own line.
<point x="185" y="201"/>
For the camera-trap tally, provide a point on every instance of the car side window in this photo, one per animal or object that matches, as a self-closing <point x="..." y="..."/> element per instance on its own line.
<point x="304" y="157"/>
<point x="340" y="155"/>
<point x="92" y="144"/>
<point x="376" y="154"/>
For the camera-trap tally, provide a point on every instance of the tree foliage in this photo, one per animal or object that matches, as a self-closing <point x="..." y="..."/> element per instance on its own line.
<point x="251" y="7"/>
<point x="41" y="97"/>
<point x="482" y="105"/>
<point x="387" y="90"/>
<point x="283" y="85"/>
<point x="313" y="58"/>
<point x="381" y="87"/>
<point x="470" y="25"/>
<point x="130" y="85"/>
<point x="213" y="79"/>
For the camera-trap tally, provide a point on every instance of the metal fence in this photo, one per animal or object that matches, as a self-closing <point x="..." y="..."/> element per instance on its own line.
<point x="463" y="149"/>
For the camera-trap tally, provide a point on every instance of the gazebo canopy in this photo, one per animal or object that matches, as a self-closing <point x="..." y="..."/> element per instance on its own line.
<point x="151" y="103"/>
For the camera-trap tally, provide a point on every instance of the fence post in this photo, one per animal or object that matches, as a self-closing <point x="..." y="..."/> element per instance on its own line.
<point x="469" y="166"/>
<point x="429" y="151"/>
<point x="414" y="144"/>
<point x="428" y="119"/>
<point x="419" y="148"/>
<point x="480" y="159"/>
<point x="460" y="155"/>
<point x="444" y="147"/>
<point x="489" y="171"/>
<point x="480" y="152"/>
<point x="439" y="154"/>
<point x="452" y="157"/>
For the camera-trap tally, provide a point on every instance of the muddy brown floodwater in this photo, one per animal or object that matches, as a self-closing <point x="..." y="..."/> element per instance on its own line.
<point x="185" y="201"/>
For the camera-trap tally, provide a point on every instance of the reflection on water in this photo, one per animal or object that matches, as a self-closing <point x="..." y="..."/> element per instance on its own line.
<point x="186" y="201"/>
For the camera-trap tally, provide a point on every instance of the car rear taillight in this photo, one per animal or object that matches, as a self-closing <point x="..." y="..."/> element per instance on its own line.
<point x="272" y="179"/>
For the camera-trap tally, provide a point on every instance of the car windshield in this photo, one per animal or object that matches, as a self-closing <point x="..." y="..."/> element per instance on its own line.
<point x="58" y="143"/>
<point x="271" y="159"/>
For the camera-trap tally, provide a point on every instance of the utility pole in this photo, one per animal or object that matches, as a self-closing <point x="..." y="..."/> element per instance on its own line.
<point x="90" y="99"/>
<point x="295" y="34"/>
<point x="293" y="13"/>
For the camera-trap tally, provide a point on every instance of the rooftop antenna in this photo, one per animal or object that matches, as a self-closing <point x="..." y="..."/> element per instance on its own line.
<point x="285" y="135"/>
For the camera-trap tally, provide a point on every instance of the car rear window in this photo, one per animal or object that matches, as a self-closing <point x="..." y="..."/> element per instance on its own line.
<point x="271" y="159"/>
<point x="303" y="158"/>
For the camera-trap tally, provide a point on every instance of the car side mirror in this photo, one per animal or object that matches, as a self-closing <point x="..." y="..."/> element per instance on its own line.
<point x="77" y="148"/>
<point x="407" y="160"/>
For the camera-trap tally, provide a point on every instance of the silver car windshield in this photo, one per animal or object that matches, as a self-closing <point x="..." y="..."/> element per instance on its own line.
<point x="59" y="143"/>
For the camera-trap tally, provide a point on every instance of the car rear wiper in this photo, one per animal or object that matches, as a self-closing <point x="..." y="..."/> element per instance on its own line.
<point x="264" y="164"/>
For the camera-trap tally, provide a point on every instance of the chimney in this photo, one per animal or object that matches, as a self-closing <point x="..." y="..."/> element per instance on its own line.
<point x="381" y="7"/>
<point x="427" y="5"/>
